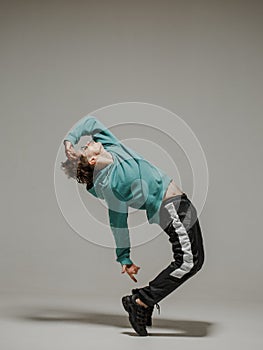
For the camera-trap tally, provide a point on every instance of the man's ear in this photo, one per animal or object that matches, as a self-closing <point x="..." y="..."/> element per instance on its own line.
<point x="92" y="160"/>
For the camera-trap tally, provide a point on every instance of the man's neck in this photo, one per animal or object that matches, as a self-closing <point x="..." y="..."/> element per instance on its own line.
<point x="103" y="160"/>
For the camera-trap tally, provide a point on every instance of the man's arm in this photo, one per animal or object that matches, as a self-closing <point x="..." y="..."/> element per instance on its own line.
<point x="118" y="222"/>
<point x="91" y="126"/>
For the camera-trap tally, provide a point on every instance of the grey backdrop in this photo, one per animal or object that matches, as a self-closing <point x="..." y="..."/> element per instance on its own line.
<point x="60" y="60"/>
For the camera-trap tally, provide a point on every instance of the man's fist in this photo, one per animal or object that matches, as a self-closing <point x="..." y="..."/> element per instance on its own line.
<point x="131" y="270"/>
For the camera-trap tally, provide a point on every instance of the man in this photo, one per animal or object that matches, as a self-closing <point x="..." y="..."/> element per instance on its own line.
<point x="123" y="178"/>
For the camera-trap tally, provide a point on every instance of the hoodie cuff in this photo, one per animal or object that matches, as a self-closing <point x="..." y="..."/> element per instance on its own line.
<point x="125" y="261"/>
<point x="72" y="140"/>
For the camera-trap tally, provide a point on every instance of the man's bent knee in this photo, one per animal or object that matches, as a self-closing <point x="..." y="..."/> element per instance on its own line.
<point x="199" y="263"/>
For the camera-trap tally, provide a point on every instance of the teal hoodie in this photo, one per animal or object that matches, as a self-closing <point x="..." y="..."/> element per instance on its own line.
<point x="130" y="181"/>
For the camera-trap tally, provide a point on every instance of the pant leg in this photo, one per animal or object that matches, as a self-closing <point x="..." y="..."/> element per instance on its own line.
<point x="178" y="218"/>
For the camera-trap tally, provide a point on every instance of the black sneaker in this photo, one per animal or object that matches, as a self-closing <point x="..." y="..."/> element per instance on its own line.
<point x="149" y="311"/>
<point x="137" y="314"/>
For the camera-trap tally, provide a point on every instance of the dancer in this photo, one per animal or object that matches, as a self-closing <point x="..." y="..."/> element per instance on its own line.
<point x="123" y="178"/>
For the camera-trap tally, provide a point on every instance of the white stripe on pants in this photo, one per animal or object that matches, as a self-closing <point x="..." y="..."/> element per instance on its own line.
<point x="185" y="243"/>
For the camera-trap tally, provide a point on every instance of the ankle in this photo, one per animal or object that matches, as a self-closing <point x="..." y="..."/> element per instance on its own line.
<point x="138" y="301"/>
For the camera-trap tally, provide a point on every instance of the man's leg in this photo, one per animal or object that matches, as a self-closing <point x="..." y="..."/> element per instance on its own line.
<point x="187" y="244"/>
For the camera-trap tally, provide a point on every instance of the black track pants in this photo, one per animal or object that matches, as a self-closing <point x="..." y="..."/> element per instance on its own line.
<point x="178" y="218"/>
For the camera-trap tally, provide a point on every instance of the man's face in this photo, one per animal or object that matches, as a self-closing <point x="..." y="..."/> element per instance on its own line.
<point x="92" y="150"/>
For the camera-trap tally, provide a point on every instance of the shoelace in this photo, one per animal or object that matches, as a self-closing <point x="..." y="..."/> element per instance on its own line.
<point x="150" y="309"/>
<point x="158" y="308"/>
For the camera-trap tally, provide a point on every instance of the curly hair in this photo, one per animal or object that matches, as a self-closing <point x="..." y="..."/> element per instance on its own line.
<point x="80" y="170"/>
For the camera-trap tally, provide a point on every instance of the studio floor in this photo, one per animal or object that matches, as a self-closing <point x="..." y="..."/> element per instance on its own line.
<point x="76" y="323"/>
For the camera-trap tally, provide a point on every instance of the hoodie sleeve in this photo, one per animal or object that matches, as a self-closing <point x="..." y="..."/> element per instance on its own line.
<point x="91" y="126"/>
<point x="118" y="223"/>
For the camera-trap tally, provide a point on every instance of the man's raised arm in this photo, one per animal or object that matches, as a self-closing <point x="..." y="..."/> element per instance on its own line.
<point x="91" y="126"/>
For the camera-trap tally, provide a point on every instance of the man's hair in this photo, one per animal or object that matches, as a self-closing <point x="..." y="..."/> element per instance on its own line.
<point x="80" y="170"/>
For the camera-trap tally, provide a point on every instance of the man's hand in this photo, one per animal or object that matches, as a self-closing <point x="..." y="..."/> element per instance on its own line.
<point x="131" y="270"/>
<point x="70" y="151"/>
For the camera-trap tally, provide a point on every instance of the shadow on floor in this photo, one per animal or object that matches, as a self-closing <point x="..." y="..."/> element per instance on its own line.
<point x="181" y="328"/>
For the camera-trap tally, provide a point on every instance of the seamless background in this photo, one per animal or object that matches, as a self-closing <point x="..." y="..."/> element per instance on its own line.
<point x="60" y="60"/>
